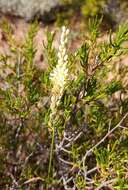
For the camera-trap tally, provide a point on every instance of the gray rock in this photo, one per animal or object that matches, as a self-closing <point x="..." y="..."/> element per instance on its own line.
<point x="29" y="9"/>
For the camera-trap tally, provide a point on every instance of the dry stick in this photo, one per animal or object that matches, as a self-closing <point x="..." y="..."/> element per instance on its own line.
<point x="92" y="170"/>
<point x="73" y="139"/>
<point x="105" y="184"/>
<point x="66" y="162"/>
<point x="65" y="183"/>
<point x="34" y="179"/>
<point x="102" y="140"/>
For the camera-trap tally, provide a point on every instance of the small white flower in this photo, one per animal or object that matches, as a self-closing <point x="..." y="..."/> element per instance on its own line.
<point x="63" y="30"/>
<point x="67" y="31"/>
<point x="65" y="57"/>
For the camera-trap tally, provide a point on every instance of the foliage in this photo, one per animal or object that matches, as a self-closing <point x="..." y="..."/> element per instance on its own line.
<point x="89" y="143"/>
<point x="81" y="10"/>
<point x="92" y="7"/>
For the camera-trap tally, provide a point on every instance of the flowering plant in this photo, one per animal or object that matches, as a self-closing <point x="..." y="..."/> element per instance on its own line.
<point x="85" y="146"/>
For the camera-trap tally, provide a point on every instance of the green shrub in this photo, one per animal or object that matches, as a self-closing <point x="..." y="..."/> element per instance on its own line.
<point x="83" y="144"/>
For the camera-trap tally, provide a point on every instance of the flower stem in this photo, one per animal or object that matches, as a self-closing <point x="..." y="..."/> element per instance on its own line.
<point x="51" y="154"/>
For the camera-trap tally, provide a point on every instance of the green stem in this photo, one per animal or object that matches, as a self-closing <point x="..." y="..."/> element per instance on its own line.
<point x="51" y="155"/>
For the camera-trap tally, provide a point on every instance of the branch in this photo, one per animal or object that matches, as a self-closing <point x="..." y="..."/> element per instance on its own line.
<point x="105" y="184"/>
<point x="34" y="179"/>
<point x="104" y="138"/>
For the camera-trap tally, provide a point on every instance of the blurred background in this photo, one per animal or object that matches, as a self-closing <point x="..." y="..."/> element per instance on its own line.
<point x="54" y="13"/>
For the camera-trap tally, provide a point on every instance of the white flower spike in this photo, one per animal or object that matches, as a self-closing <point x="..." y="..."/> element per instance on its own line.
<point x="59" y="74"/>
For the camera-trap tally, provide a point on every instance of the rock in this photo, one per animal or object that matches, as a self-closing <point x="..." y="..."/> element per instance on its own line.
<point x="29" y="9"/>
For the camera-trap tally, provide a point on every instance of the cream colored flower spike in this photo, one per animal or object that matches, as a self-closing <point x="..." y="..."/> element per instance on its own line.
<point x="59" y="74"/>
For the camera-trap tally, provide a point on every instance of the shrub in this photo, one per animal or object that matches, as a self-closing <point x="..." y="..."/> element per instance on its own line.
<point x="83" y="144"/>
